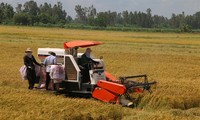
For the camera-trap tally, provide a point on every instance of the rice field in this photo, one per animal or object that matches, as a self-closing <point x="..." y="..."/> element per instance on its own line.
<point x="172" y="59"/>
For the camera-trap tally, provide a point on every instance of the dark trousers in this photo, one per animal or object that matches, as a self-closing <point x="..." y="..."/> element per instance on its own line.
<point x="31" y="76"/>
<point x="85" y="74"/>
<point x="48" y="79"/>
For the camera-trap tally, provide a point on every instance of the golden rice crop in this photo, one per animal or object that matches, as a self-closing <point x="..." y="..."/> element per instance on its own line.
<point x="172" y="59"/>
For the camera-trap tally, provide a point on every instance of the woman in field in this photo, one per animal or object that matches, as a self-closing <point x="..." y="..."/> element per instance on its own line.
<point x="57" y="74"/>
<point x="29" y="62"/>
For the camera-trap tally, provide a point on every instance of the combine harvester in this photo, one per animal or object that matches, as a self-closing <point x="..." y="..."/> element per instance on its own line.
<point x="102" y="86"/>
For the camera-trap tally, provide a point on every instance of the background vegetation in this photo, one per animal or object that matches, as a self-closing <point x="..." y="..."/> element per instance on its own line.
<point x="172" y="59"/>
<point x="30" y="13"/>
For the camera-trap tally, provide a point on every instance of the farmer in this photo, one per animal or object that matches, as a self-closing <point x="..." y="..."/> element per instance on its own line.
<point x="74" y="53"/>
<point x="50" y="60"/>
<point x="85" y="64"/>
<point x="57" y="74"/>
<point x="29" y="62"/>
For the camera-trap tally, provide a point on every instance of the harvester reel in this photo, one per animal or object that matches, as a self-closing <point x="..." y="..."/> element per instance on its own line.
<point x="135" y="89"/>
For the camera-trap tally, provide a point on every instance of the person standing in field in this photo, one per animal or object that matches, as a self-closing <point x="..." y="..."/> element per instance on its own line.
<point x="57" y="74"/>
<point x="50" y="60"/>
<point x="29" y="61"/>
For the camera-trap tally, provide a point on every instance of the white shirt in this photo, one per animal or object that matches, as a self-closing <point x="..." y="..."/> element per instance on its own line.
<point x="50" y="60"/>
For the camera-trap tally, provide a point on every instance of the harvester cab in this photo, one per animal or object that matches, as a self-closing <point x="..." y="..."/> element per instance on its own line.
<point x="101" y="84"/>
<point x="73" y="82"/>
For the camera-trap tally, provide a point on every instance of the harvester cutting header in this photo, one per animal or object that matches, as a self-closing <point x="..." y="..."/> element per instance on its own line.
<point x="85" y="74"/>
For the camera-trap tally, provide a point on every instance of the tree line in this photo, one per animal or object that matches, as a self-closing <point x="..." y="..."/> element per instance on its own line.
<point x="30" y="13"/>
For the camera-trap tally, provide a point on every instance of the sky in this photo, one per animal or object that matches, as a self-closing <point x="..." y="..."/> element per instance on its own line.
<point x="159" y="7"/>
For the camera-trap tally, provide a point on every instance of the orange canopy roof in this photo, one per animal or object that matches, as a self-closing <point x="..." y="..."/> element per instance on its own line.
<point x="80" y="43"/>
